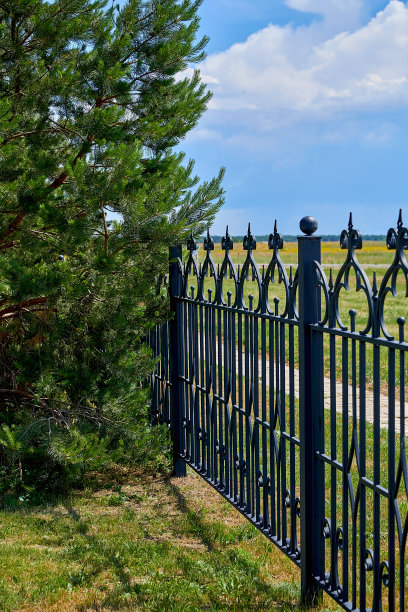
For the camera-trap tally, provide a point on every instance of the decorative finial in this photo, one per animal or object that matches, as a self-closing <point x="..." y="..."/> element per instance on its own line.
<point x="308" y="225"/>
<point x="275" y="240"/>
<point x="249" y="243"/>
<point x="375" y="287"/>
<point x="227" y="243"/>
<point x="191" y="243"/>
<point x="400" y="224"/>
<point x="351" y="238"/>
<point x="208" y="242"/>
<point x="331" y="283"/>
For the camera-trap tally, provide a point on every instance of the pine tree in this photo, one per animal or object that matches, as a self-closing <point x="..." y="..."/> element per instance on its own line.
<point x="93" y="102"/>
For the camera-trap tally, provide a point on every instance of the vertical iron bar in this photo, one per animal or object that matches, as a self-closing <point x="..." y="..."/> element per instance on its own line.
<point x="345" y="447"/>
<point x="221" y="396"/>
<point x="265" y="512"/>
<point x="272" y="436"/>
<point x="292" y="450"/>
<point x="207" y="389"/>
<point x="363" y="496"/>
<point x="256" y="414"/>
<point x="401" y="322"/>
<point x="391" y="479"/>
<point x="215" y="400"/>
<point x="377" y="468"/>
<point x="234" y="403"/>
<point x="186" y="390"/>
<point x="247" y="417"/>
<point x="202" y="389"/>
<point x="179" y="466"/>
<point x="278" y="424"/>
<point x="333" y="469"/>
<point x="356" y="450"/>
<point x="225" y="341"/>
<point x="311" y="425"/>
<point x="241" y="416"/>
<point x="282" y="358"/>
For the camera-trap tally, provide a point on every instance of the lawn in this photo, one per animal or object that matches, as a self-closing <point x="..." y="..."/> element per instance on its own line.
<point x="131" y="541"/>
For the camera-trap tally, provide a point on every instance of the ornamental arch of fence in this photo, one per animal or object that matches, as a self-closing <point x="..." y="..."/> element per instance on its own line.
<point x="292" y="413"/>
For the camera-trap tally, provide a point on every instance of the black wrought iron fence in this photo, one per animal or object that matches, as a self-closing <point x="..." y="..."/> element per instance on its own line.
<point x="292" y="414"/>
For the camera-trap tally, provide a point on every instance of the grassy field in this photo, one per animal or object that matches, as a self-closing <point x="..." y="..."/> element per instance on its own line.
<point x="374" y="257"/>
<point x="135" y="542"/>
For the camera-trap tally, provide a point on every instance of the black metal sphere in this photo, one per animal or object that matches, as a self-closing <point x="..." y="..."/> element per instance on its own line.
<point x="61" y="258"/>
<point x="308" y="225"/>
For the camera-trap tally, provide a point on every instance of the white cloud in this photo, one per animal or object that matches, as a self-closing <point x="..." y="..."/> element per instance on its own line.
<point x="342" y="14"/>
<point x="315" y="71"/>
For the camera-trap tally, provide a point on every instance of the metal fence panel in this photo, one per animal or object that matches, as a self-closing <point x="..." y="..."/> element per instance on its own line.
<point x="290" y="412"/>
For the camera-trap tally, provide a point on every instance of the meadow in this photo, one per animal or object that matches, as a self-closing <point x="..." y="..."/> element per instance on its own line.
<point x="375" y="259"/>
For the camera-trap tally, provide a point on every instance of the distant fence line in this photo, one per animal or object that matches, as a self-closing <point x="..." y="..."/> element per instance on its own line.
<point x="240" y="382"/>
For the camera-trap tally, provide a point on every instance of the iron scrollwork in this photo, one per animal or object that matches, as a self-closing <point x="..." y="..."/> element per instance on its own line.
<point x="397" y="239"/>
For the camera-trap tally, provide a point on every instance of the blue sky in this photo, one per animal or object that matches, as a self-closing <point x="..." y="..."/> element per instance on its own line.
<point x="309" y="112"/>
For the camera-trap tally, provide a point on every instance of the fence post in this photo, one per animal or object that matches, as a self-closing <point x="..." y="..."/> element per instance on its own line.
<point x="179" y="466"/>
<point x="311" y="416"/>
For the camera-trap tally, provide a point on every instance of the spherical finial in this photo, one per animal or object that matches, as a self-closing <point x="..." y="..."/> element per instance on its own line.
<point x="308" y="225"/>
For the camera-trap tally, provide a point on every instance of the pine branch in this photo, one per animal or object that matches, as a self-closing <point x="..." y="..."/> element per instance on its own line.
<point x="26" y="305"/>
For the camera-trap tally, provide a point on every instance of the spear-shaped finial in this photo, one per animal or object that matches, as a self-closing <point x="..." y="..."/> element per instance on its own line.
<point x="275" y="240"/>
<point x="350" y="223"/>
<point x="249" y="243"/>
<point x="226" y="241"/>
<point x="399" y="224"/>
<point x="191" y="243"/>
<point x="208" y="241"/>
<point x="375" y="287"/>
<point x="331" y="283"/>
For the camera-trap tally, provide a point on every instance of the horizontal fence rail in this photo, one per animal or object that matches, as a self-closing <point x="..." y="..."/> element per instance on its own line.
<point x="293" y="407"/>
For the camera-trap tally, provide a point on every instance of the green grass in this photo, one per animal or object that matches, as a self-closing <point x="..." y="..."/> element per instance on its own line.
<point x="334" y="487"/>
<point x="372" y="254"/>
<point x="164" y="544"/>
